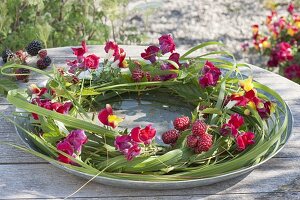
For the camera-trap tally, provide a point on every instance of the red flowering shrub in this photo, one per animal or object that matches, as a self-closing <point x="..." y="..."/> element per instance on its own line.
<point x="280" y="43"/>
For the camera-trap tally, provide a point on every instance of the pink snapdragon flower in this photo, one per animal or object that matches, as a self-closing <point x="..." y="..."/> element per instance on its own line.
<point x="71" y="145"/>
<point x="91" y="61"/>
<point x="150" y="53"/>
<point x="210" y="75"/>
<point x="67" y="148"/>
<point x="166" y="43"/>
<point x="77" y="139"/>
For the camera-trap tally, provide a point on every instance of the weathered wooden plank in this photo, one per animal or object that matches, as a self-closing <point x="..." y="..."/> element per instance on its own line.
<point x="46" y="181"/>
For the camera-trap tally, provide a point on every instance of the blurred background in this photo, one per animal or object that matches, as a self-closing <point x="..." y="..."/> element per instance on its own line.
<point x="67" y="22"/>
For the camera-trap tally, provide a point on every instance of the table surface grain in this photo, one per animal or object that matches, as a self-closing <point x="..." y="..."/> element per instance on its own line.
<point x="23" y="176"/>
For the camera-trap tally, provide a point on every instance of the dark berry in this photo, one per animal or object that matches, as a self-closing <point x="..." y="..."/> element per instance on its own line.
<point x="34" y="47"/>
<point x="6" y="54"/>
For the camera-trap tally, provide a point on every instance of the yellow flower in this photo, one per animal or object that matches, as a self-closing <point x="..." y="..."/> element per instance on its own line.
<point x="252" y="105"/>
<point x="266" y="44"/>
<point x="246" y="84"/>
<point x="114" y="119"/>
<point x="291" y="32"/>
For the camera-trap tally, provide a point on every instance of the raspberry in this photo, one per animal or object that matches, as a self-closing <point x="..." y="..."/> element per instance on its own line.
<point x="170" y="136"/>
<point x="181" y="123"/>
<point x="34" y="47"/>
<point x="6" y="54"/>
<point x="147" y="75"/>
<point x="43" y="53"/>
<point x="199" y="128"/>
<point x="137" y="74"/>
<point x="156" y="78"/>
<point x="204" y="143"/>
<point x="191" y="141"/>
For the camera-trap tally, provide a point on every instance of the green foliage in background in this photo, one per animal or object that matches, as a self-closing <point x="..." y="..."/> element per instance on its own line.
<point x="64" y="22"/>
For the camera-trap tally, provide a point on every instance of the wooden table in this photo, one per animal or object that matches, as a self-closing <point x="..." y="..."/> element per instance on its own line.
<point x="23" y="176"/>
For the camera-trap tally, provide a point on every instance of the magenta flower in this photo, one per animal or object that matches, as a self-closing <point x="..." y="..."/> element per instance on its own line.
<point x="284" y="52"/>
<point x="244" y="140"/>
<point x="77" y="138"/>
<point x="292" y="72"/>
<point x="61" y="108"/>
<point x="91" y="61"/>
<point x="79" y="52"/>
<point x="67" y="148"/>
<point x="228" y="129"/>
<point x="145" y="135"/>
<point x="210" y="75"/>
<point x="133" y="151"/>
<point x="166" y="43"/>
<point x="111" y="48"/>
<point x="123" y="143"/>
<point x="150" y="53"/>
<point x="291" y="8"/>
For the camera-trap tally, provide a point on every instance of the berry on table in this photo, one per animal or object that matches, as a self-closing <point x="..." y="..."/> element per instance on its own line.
<point x="199" y="128"/>
<point x="181" y="123"/>
<point x="170" y="137"/>
<point x="204" y="143"/>
<point x="34" y="47"/>
<point x="43" y="63"/>
<point x="6" y="54"/>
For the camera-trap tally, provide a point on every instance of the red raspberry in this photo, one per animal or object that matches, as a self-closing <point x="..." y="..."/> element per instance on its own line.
<point x="148" y="76"/>
<point x="191" y="141"/>
<point x="137" y="74"/>
<point x="181" y="123"/>
<point x="204" y="143"/>
<point x="170" y="136"/>
<point x="42" y="53"/>
<point x="156" y="78"/>
<point x="199" y="128"/>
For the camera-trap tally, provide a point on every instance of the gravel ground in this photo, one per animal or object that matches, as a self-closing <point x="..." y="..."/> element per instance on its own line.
<point x="194" y="21"/>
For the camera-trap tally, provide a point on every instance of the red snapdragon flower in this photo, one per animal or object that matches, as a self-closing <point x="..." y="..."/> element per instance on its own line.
<point x="244" y="140"/>
<point x="62" y="108"/>
<point x="91" y="61"/>
<point x="210" y="75"/>
<point x="34" y="89"/>
<point x="107" y="117"/>
<point x="150" y="53"/>
<point x="111" y="48"/>
<point x="79" y="52"/>
<point x="167" y="66"/>
<point x="236" y="120"/>
<point x="143" y="135"/>
<point x="232" y="126"/>
<point x="120" y="58"/>
<point x="166" y="43"/>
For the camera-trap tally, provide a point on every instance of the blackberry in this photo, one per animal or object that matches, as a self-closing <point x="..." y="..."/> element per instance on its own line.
<point x="43" y="63"/>
<point x="7" y="53"/>
<point x="23" y="78"/>
<point x="34" y="47"/>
